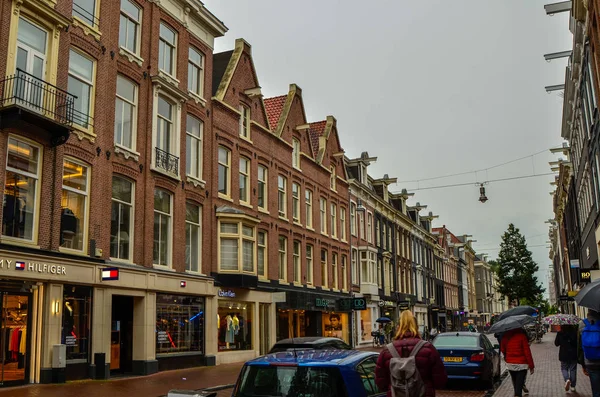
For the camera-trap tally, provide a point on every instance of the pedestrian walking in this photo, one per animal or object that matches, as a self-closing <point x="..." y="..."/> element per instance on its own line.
<point x="517" y="354"/>
<point x="566" y="339"/>
<point x="427" y="359"/>
<point x="588" y="349"/>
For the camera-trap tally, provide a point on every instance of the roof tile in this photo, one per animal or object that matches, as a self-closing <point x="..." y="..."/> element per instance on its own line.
<point x="274" y="107"/>
<point x="316" y="130"/>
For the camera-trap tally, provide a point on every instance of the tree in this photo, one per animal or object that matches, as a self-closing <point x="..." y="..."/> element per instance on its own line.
<point x="516" y="268"/>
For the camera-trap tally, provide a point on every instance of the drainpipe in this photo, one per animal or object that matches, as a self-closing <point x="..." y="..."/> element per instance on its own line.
<point x="353" y="335"/>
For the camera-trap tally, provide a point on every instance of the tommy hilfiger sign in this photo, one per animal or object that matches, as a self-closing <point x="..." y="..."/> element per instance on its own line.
<point x="38" y="267"/>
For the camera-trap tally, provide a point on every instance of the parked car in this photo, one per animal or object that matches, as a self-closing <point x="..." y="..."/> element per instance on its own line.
<point x="309" y="373"/>
<point x="310" y="342"/>
<point x="468" y="355"/>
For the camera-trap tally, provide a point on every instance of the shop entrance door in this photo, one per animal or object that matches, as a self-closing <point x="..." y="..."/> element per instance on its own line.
<point x="264" y="334"/>
<point x="121" y="348"/>
<point x="14" y="341"/>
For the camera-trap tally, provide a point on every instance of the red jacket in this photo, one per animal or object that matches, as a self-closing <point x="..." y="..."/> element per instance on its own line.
<point x="430" y="366"/>
<point x="515" y="347"/>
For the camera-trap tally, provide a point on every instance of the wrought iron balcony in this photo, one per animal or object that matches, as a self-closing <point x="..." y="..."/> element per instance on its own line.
<point x="166" y="161"/>
<point x="26" y="98"/>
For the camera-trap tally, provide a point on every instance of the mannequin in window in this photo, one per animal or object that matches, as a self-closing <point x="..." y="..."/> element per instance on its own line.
<point x="230" y="332"/>
<point x="236" y="324"/>
<point x="68" y="320"/>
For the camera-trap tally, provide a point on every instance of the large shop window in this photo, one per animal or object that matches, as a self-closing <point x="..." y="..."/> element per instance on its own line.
<point x="235" y="325"/>
<point x="20" y="190"/>
<point x="73" y="220"/>
<point x="179" y="324"/>
<point x="76" y="324"/>
<point x="336" y="325"/>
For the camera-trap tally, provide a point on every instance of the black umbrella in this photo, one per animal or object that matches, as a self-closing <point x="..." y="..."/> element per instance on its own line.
<point x="589" y="296"/>
<point x="383" y="320"/>
<point x="512" y="322"/>
<point x="515" y="311"/>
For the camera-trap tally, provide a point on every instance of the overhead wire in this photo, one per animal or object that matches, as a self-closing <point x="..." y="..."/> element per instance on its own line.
<point x="482" y="182"/>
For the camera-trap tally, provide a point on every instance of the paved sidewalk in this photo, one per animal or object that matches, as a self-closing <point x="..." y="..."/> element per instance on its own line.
<point x="547" y="380"/>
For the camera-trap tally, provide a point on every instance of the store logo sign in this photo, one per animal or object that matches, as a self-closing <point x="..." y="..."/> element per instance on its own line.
<point x="226" y="293"/>
<point x="109" y="274"/>
<point x="32" y="267"/>
<point x="321" y="302"/>
<point x="586" y="275"/>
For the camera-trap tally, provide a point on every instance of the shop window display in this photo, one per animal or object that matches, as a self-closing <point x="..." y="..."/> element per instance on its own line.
<point x="179" y="324"/>
<point x="234" y="320"/>
<point x="77" y="308"/>
<point x="366" y="324"/>
<point x="336" y="325"/>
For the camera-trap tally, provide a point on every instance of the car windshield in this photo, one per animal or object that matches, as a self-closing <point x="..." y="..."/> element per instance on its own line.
<point x="285" y="381"/>
<point x="466" y="341"/>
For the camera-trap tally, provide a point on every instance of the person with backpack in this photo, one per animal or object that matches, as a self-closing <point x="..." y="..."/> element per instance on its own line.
<point x="588" y="349"/>
<point x="566" y="339"/>
<point x="517" y="354"/>
<point x="409" y="366"/>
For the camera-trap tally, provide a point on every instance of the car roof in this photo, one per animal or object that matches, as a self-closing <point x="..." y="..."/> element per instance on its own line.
<point x="460" y="333"/>
<point x="321" y="358"/>
<point x="306" y="340"/>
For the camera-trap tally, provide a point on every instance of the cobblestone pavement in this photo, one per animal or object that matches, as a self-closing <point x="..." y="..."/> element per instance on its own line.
<point x="547" y="380"/>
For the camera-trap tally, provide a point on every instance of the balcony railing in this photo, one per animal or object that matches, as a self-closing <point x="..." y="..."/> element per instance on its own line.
<point x="167" y="162"/>
<point x="26" y="90"/>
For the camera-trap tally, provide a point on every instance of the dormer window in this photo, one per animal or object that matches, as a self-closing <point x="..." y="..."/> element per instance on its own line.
<point x="245" y="121"/>
<point x="296" y="153"/>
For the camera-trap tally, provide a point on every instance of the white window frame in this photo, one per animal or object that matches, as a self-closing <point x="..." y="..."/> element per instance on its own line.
<point x="196" y="69"/>
<point x="323" y="214"/>
<point x="332" y="179"/>
<point x="244" y="174"/>
<point x="342" y="223"/>
<point x="282" y="243"/>
<point x="227" y="167"/>
<point x="194" y="224"/>
<point x="310" y="252"/>
<point x="37" y="178"/>
<point x="134" y="107"/>
<point x="92" y="93"/>
<point x="169" y="242"/>
<point x="86" y="194"/>
<point x="297" y="248"/>
<point x="308" y="207"/>
<point x="263" y="187"/>
<point x="86" y="19"/>
<point x="324" y="269"/>
<point x="240" y="237"/>
<point x="262" y="246"/>
<point x="244" y="121"/>
<point x="369" y="227"/>
<point x="353" y="227"/>
<point x="344" y="273"/>
<point x="354" y="266"/>
<point x="172" y="47"/>
<point x="333" y="216"/>
<point x="282" y="196"/>
<point x="296" y="153"/>
<point x="131" y="206"/>
<point x="361" y="220"/>
<point x="174" y="139"/>
<point x="137" y="24"/>
<point x="334" y="270"/>
<point x="296" y="202"/>
<point x="192" y="140"/>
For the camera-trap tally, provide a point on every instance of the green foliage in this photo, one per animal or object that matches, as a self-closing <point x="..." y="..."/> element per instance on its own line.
<point x="516" y="269"/>
<point x="494" y="266"/>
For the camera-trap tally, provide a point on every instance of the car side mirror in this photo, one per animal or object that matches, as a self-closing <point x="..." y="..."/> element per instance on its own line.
<point x="497" y="346"/>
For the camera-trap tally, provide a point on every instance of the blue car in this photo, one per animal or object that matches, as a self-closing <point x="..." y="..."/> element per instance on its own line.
<point x="469" y="355"/>
<point x="309" y="373"/>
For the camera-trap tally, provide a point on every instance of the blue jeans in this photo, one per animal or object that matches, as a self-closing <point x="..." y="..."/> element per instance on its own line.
<point x="595" y="381"/>
<point x="569" y="371"/>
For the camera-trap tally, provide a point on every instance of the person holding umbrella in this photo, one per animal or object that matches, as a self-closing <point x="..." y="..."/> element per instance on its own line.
<point x="515" y="348"/>
<point x="566" y="339"/>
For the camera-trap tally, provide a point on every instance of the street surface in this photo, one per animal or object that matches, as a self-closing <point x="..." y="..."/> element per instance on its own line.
<point x="547" y="381"/>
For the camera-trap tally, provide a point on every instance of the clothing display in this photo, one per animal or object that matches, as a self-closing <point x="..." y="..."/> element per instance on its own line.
<point x="230" y="333"/>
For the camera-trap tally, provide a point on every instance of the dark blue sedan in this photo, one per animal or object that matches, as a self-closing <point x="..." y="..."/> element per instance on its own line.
<point x="469" y="355"/>
<point x="309" y="373"/>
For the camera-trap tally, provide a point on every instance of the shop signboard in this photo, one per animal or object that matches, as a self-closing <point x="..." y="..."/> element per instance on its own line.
<point x="404" y="305"/>
<point x="347" y="304"/>
<point x="324" y="303"/>
<point x="226" y="293"/>
<point x="574" y="263"/>
<point x="383" y="303"/>
<point x="585" y="275"/>
<point x="38" y="267"/>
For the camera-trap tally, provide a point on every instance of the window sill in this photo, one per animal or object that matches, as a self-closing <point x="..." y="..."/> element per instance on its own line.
<point x="311" y="286"/>
<point x="163" y="267"/>
<point x="283" y="218"/>
<point x="297" y="222"/>
<point x="194" y="273"/>
<point x="87" y="29"/>
<point x="127" y="153"/>
<point x="310" y="228"/>
<point x="131" y="57"/>
<point x="243" y="138"/>
<point x="195" y="181"/>
<point x="224" y="197"/>
<point x="264" y="211"/>
<point x="169" y="78"/>
<point x="283" y="281"/>
<point x="122" y="261"/>
<point x="87" y="133"/>
<point x="19" y="242"/>
<point x="334" y="237"/>
<point x="166" y="173"/>
<point x="247" y="205"/>
<point x="72" y="251"/>
<point x="324" y="233"/>
<point x="297" y="168"/>
<point x="197" y="98"/>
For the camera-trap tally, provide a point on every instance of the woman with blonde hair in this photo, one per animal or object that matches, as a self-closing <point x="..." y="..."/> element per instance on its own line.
<point x="428" y="361"/>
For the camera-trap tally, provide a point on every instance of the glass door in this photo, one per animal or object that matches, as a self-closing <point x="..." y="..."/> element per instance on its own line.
<point x="31" y="58"/>
<point x="14" y="346"/>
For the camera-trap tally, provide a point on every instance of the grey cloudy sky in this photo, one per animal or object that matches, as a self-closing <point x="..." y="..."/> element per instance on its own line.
<point x="429" y="87"/>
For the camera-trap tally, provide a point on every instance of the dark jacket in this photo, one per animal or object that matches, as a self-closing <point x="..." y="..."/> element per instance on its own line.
<point x="515" y="348"/>
<point x="585" y="363"/>
<point x="430" y="366"/>
<point x="566" y="339"/>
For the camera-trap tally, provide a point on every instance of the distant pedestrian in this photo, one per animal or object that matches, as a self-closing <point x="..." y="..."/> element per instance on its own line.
<point x="566" y="339"/>
<point x="588" y="349"/>
<point x="517" y="354"/>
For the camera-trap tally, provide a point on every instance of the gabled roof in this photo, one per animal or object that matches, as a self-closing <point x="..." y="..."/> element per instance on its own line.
<point x="220" y="62"/>
<point x="274" y="107"/>
<point x="316" y="131"/>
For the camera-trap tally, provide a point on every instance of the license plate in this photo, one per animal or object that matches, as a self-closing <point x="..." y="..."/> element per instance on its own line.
<point x="453" y="359"/>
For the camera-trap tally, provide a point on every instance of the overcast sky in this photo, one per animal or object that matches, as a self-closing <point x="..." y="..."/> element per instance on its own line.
<point x="430" y="88"/>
